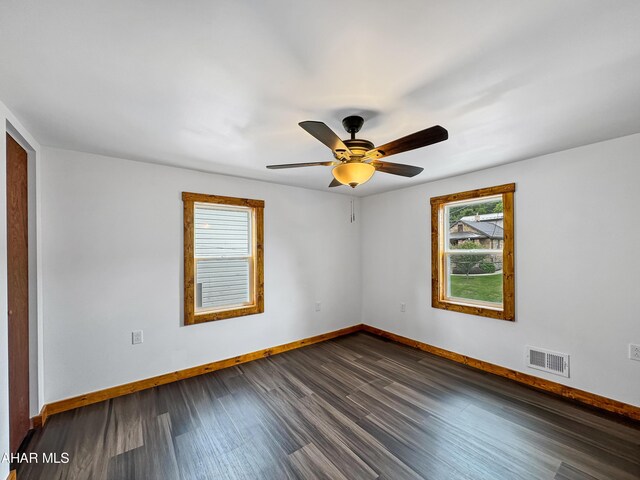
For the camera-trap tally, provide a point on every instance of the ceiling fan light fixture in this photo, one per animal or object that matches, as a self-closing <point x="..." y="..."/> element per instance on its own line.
<point x="353" y="174"/>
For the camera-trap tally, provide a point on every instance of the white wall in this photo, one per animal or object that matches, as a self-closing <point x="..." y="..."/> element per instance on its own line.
<point x="577" y="226"/>
<point x="10" y="123"/>
<point x="112" y="263"/>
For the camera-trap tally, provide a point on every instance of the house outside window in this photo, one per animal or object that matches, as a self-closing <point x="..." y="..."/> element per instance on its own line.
<point x="472" y="252"/>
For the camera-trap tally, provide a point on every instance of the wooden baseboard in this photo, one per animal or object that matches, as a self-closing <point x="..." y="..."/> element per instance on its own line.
<point x="113" y="392"/>
<point x="36" y="421"/>
<point x="581" y="396"/>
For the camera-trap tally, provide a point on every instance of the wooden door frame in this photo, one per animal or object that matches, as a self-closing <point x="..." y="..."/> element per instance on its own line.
<point x="26" y="141"/>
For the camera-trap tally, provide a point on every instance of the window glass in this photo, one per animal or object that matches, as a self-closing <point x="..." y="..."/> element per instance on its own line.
<point x="473" y="255"/>
<point x="222" y="256"/>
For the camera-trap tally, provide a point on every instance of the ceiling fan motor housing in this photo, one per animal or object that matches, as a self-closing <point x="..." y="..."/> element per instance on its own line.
<point x="359" y="146"/>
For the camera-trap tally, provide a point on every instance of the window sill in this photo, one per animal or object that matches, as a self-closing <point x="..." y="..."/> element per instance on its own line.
<point x="473" y="309"/>
<point x="224" y="314"/>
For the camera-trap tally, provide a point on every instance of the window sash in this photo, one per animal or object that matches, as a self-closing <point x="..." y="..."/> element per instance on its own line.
<point x="446" y="252"/>
<point x="233" y="289"/>
<point x="239" y="227"/>
<point x="228" y="230"/>
<point x="447" y="273"/>
<point x="444" y="208"/>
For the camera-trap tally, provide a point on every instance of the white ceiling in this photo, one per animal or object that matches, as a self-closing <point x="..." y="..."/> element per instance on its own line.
<point x="220" y="85"/>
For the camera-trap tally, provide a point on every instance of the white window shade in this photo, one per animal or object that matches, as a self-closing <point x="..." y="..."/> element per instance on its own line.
<point x="222" y="256"/>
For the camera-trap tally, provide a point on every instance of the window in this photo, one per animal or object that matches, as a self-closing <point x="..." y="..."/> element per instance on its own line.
<point x="223" y="257"/>
<point x="472" y="252"/>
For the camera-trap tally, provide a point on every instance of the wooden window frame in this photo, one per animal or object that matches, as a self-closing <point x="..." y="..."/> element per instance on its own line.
<point x="438" y="297"/>
<point x="257" y="268"/>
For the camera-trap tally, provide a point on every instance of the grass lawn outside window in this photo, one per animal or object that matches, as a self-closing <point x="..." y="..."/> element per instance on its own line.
<point x="486" y="288"/>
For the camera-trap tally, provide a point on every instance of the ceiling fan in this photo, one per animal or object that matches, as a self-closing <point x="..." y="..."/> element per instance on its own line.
<point x="357" y="159"/>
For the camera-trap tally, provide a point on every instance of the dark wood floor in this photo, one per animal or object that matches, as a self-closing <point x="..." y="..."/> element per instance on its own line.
<point x="357" y="407"/>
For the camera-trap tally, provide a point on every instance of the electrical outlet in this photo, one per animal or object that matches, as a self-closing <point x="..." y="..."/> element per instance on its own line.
<point x="136" y="337"/>
<point x="318" y="306"/>
<point x="634" y="352"/>
<point x="403" y="307"/>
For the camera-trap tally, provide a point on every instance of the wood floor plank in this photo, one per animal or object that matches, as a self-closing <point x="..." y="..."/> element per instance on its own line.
<point x="567" y="472"/>
<point x="356" y="407"/>
<point x="155" y="459"/>
<point x="340" y="427"/>
<point x="124" y="426"/>
<point x="310" y="463"/>
<point x="405" y="443"/>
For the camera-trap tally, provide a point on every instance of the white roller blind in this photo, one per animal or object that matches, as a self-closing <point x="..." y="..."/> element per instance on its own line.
<point x="222" y="256"/>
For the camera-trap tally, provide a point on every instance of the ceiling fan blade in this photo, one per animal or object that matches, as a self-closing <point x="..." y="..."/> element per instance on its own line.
<point x="334" y="183"/>
<point x="327" y="136"/>
<point x="397" y="168"/>
<point x="419" y="139"/>
<point x="296" y="165"/>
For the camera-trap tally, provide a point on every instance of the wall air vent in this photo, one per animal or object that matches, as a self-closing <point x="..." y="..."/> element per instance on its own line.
<point x="548" y="361"/>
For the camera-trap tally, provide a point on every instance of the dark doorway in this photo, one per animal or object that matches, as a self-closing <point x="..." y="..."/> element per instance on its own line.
<point x="18" y="292"/>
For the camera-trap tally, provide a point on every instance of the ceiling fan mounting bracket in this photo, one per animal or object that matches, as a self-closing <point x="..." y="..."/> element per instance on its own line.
<point x="352" y="124"/>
